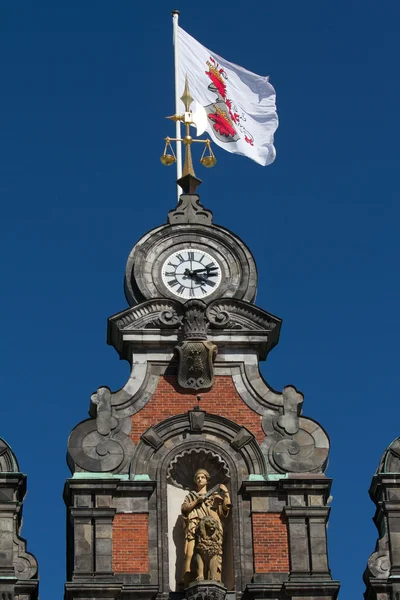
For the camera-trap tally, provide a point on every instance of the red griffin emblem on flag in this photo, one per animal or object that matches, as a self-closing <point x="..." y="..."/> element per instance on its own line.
<point x="224" y="116"/>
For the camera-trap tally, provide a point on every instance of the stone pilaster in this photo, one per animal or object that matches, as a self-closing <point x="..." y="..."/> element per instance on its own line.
<point x="82" y="526"/>
<point x="308" y="544"/>
<point x="300" y="560"/>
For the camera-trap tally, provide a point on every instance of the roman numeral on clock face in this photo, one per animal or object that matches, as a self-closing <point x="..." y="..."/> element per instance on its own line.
<point x="173" y="282"/>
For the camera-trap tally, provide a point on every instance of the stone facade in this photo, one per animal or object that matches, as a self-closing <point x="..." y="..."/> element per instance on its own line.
<point x="195" y="398"/>
<point x="18" y="568"/>
<point x="382" y="573"/>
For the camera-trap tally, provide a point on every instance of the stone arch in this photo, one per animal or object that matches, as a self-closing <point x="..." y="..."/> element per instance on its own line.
<point x="240" y="457"/>
<point x="198" y="426"/>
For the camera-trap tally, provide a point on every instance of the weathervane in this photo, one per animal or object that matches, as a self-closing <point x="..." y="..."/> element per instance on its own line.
<point x="189" y="181"/>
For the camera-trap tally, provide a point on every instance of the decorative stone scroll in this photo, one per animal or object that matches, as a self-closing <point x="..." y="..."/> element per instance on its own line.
<point x="379" y="564"/>
<point x="153" y="314"/>
<point x="25" y="564"/>
<point x="101" y="444"/>
<point x="306" y="450"/>
<point x="238" y="315"/>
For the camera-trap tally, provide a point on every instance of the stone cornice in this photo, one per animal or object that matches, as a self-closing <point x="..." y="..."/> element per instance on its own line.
<point x="307" y="511"/>
<point x="162" y="321"/>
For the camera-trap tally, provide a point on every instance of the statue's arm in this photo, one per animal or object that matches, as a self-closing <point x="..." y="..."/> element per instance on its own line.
<point x="226" y="502"/>
<point x="189" y="504"/>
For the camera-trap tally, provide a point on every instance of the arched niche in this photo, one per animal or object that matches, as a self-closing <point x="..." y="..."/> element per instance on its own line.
<point x="232" y="454"/>
<point x="180" y="475"/>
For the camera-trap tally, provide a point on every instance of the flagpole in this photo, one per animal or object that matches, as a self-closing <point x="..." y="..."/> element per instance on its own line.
<point x="175" y="17"/>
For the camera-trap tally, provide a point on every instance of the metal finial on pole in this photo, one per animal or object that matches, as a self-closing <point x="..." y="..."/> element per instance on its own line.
<point x="186" y="97"/>
<point x="188" y="180"/>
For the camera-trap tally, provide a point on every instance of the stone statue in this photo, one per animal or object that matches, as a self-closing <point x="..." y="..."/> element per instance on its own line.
<point x="202" y="511"/>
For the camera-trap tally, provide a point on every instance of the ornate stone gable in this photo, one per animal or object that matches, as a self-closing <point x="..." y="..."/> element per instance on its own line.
<point x="195" y="402"/>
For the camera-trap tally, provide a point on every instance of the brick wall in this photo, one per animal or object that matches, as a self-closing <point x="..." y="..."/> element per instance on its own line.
<point x="270" y="543"/>
<point x="130" y="543"/>
<point x="169" y="400"/>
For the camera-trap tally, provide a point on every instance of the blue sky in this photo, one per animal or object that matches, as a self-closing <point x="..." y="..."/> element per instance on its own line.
<point x="85" y="89"/>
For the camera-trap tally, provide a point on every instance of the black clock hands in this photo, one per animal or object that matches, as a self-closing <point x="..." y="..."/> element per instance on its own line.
<point x="189" y="272"/>
<point x="201" y="278"/>
<point x="208" y="269"/>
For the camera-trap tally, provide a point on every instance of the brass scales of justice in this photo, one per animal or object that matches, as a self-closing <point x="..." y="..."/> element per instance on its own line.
<point x="199" y="120"/>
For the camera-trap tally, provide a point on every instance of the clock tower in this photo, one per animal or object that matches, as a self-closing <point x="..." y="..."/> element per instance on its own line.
<point x="196" y="479"/>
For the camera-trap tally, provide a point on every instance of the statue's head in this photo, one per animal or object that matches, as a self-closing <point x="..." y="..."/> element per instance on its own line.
<point x="201" y="477"/>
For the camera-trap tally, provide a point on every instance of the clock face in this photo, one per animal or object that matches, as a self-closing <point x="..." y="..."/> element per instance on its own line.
<point x="191" y="273"/>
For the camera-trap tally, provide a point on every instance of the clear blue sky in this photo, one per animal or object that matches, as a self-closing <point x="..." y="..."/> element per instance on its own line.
<point x="85" y="87"/>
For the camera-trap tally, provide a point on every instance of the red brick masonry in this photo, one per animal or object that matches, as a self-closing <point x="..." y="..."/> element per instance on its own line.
<point x="130" y="543"/>
<point x="222" y="400"/>
<point x="270" y="543"/>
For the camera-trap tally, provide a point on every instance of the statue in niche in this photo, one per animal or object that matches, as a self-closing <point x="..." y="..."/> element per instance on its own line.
<point x="202" y="511"/>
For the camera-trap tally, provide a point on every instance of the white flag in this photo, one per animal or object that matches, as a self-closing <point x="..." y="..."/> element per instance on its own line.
<point x="240" y="105"/>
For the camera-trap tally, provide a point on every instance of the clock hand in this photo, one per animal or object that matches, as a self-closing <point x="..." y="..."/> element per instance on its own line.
<point x="202" y="278"/>
<point x="196" y="274"/>
<point x="204" y="269"/>
<point x="189" y="272"/>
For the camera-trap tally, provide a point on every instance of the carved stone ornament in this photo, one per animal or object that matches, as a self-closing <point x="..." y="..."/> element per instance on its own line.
<point x="231" y="314"/>
<point x="152" y="438"/>
<point x="195" y="369"/>
<point x="379" y="564"/>
<point x="180" y="471"/>
<point x="205" y="590"/>
<point x="153" y="314"/>
<point x="101" y="444"/>
<point x="196" y="419"/>
<point x="189" y="210"/>
<point x="195" y="324"/>
<point x="25" y="564"/>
